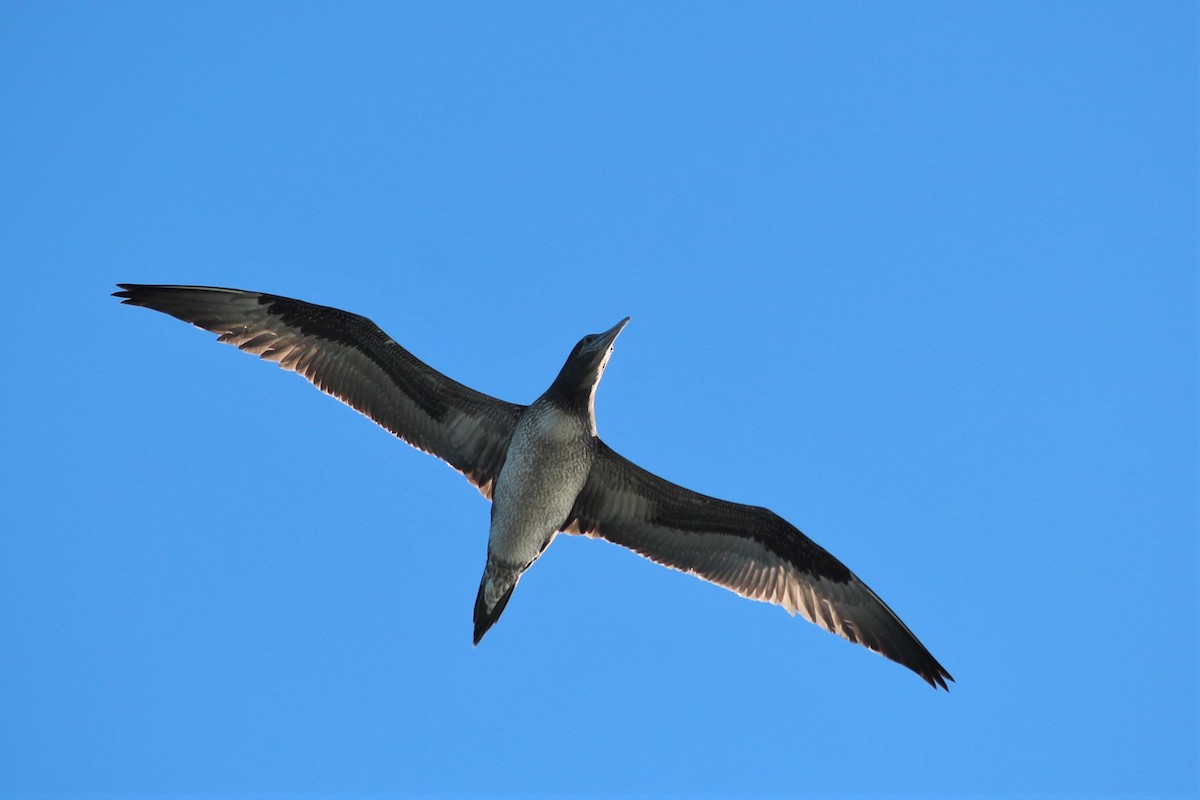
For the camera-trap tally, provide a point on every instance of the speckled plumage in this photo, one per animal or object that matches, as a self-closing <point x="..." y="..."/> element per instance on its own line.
<point x="548" y="462"/>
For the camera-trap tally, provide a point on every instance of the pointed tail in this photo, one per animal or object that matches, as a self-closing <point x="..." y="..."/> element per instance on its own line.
<point x="495" y="588"/>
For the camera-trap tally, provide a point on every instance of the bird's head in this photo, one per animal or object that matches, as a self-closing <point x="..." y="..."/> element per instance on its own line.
<point x="580" y="375"/>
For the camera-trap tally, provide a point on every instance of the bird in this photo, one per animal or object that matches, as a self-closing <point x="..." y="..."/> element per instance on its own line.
<point x="545" y="468"/>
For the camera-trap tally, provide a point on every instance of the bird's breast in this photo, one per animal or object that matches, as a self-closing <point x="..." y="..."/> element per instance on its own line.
<point x="547" y="464"/>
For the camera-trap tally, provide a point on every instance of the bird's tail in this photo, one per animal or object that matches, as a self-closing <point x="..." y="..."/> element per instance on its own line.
<point x="495" y="588"/>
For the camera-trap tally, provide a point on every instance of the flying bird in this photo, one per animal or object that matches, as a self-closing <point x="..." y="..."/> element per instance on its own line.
<point x="544" y="468"/>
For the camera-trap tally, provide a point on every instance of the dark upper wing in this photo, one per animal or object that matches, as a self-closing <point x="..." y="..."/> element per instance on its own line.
<point x="349" y="357"/>
<point x="749" y="550"/>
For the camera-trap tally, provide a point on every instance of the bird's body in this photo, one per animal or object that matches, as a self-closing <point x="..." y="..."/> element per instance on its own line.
<point x="545" y="468"/>
<point x="547" y="464"/>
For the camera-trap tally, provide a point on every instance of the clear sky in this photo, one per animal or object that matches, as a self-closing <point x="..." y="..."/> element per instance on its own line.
<point x="919" y="277"/>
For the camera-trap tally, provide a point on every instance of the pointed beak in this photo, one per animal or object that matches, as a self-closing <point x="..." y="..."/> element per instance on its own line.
<point x="609" y="336"/>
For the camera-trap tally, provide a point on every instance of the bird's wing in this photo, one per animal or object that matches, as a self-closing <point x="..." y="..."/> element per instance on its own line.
<point x="746" y="549"/>
<point x="349" y="357"/>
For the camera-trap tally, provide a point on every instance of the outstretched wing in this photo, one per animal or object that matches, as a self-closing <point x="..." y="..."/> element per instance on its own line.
<point x="349" y="357"/>
<point x="746" y="549"/>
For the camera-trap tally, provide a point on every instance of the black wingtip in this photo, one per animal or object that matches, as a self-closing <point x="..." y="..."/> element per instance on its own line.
<point x="128" y="290"/>
<point x="141" y="294"/>
<point x="934" y="674"/>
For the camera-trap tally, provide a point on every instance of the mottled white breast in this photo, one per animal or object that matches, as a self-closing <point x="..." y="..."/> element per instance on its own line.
<point x="547" y="464"/>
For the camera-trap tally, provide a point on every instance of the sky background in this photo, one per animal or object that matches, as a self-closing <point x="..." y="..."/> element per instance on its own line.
<point x="919" y="277"/>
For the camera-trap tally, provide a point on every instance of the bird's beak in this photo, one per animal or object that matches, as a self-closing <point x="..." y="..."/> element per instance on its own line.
<point x="610" y="335"/>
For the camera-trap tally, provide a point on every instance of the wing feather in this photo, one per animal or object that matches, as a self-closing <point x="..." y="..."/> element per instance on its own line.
<point x="746" y="549"/>
<point x="347" y="356"/>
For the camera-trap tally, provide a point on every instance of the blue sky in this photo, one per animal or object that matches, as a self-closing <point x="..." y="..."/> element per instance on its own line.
<point x="919" y="277"/>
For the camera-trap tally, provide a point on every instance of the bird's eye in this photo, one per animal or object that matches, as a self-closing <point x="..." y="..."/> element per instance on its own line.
<point x="589" y="338"/>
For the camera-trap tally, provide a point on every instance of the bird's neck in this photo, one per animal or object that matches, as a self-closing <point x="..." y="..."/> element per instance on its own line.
<point x="573" y="398"/>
